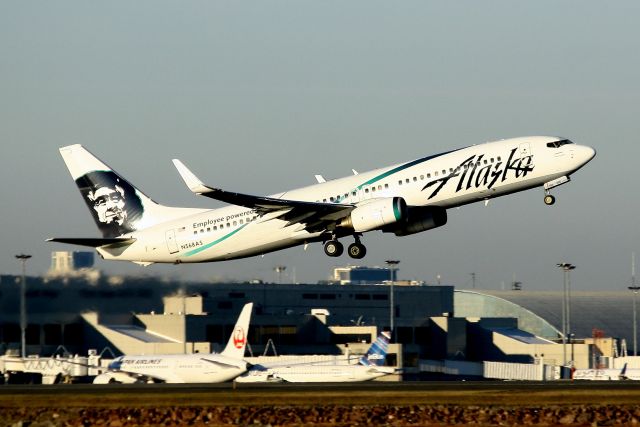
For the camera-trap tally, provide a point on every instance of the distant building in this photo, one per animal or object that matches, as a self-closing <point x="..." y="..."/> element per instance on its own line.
<point x="354" y="275"/>
<point x="73" y="263"/>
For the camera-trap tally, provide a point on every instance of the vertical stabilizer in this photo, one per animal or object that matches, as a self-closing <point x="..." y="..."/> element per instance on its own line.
<point x="377" y="352"/>
<point x="116" y="205"/>
<point x="238" y="341"/>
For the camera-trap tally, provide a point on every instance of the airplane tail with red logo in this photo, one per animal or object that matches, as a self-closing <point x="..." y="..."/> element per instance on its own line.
<point x="238" y="339"/>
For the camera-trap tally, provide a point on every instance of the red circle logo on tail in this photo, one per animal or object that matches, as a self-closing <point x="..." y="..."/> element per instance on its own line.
<point x="239" y="339"/>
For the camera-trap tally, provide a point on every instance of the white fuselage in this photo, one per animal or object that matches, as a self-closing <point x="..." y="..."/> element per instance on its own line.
<point x="178" y="368"/>
<point x="321" y="373"/>
<point x="447" y="180"/>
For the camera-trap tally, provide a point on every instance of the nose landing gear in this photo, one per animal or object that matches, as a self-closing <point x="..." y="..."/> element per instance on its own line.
<point x="549" y="200"/>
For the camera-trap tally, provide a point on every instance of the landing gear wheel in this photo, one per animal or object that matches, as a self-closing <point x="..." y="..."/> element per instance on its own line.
<point x="333" y="248"/>
<point x="357" y="250"/>
<point x="549" y="200"/>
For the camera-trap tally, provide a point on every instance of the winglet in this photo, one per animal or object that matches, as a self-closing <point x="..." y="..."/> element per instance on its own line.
<point x="190" y="179"/>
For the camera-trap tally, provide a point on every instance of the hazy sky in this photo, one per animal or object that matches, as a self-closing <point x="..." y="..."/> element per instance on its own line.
<point x="258" y="97"/>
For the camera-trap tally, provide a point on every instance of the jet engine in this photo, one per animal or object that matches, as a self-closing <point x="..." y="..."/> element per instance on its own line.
<point x="418" y="219"/>
<point x="375" y="214"/>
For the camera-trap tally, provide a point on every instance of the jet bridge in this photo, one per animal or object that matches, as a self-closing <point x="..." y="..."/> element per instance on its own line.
<point x="52" y="370"/>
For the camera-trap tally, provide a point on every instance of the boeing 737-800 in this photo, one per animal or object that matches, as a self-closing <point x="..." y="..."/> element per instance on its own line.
<point x="403" y="199"/>
<point x="185" y="368"/>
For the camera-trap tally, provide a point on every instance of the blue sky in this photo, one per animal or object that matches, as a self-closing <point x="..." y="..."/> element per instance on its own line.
<point x="258" y="97"/>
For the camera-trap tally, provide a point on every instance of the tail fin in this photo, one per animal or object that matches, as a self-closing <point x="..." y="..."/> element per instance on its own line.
<point x="377" y="352"/>
<point x="623" y="373"/>
<point x="238" y="339"/>
<point x="117" y="206"/>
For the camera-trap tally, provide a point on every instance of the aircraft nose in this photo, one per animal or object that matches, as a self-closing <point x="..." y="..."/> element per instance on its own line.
<point x="588" y="153"/>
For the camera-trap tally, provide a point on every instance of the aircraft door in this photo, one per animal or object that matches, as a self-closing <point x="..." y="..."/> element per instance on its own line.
<point x="525" y="150"/>
<point x="172" y="245"/>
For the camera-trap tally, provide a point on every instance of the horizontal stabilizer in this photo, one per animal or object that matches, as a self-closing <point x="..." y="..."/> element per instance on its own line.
<point x="94" y="242"/>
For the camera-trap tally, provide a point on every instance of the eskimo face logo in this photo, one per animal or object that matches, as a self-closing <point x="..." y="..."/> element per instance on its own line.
<point x="109" y="204"/>
<point x="474" y="173"/>
<point x="239" y="338"/>
<point x="115" y="206"/>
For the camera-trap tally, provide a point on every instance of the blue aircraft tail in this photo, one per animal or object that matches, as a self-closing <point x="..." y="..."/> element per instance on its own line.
<point x="377" y="353"/>
<point x="623" y="373"/>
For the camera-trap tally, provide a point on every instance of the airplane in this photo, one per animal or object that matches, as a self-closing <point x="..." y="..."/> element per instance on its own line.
<point x="369" y="366"/>
<point x="184" y="368"/>
<point x="402" y="199"/>
<point x="623" y="374"/>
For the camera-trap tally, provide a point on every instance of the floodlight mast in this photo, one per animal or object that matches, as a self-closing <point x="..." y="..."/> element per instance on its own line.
<point x="23" y="305"/>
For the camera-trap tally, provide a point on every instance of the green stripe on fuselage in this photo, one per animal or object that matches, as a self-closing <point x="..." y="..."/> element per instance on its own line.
<point x="215" y="242"/>
<point x="396" y="169"/>
<point x="401" y="168"/>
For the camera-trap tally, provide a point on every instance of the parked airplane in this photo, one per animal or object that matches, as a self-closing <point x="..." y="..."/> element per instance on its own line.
<point x="607" y="374"/>
<point x="403" y="199"/>
<point x="369" y="366"/>
<point x="185" y="368"/>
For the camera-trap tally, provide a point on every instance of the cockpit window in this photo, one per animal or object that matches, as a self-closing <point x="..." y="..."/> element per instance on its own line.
<point x="558" y="144"/>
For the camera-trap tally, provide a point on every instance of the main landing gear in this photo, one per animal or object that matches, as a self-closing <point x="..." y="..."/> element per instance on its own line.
<point x="334" y="248"/>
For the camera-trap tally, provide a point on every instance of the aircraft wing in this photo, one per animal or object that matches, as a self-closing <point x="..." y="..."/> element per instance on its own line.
<point x="220" y="364"/>
<point x="314" y="216"/>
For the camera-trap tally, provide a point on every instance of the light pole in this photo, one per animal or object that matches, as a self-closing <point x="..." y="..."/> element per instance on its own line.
<point x="635" y="288"/>
<point x="23" y="305"/>
<point x="279" y="270"/>
<point x="566" y="307"/>
<point x="393" y="266"/>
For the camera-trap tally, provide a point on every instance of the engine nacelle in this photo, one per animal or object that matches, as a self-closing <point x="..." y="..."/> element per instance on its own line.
<point x="376" y="214"/>
<point x="419" y="218"/>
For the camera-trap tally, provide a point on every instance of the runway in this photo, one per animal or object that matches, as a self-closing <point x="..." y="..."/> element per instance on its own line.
<point x="418" y="391"/>
<point x="397" y="404"/>
<point x="404" y="403"/>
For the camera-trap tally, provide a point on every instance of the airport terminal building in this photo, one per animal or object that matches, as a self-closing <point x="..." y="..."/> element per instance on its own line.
<point x="431" y="323"/>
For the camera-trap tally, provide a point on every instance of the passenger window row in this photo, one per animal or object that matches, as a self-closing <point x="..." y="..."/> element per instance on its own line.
<point x="228" y="225"/>
<point x="428" y="175"/>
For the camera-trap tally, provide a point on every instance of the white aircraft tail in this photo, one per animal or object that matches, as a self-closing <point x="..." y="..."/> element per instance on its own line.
<point x="238" y="341"/>
<point x="117" y="206"/>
